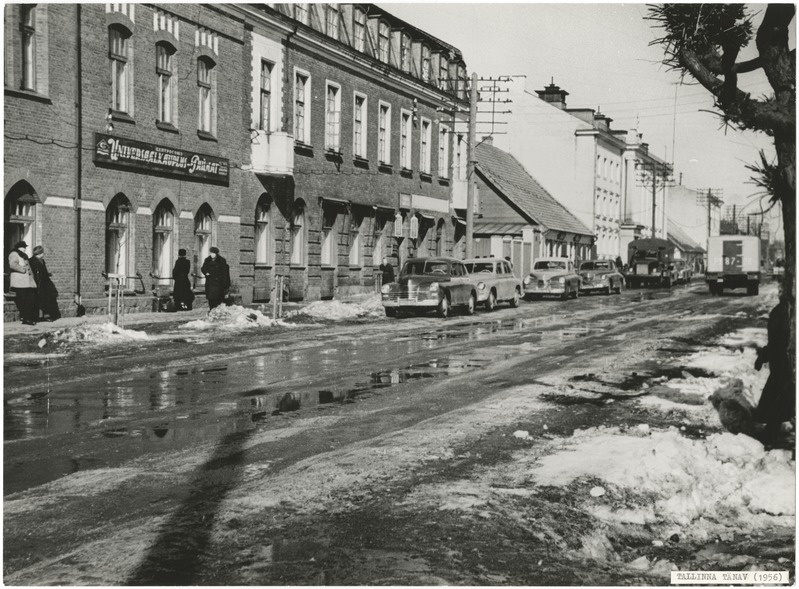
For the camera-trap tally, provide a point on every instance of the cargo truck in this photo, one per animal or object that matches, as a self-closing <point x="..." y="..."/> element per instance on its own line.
<point x="733" y="261"/>
<point x="650" y="263"/>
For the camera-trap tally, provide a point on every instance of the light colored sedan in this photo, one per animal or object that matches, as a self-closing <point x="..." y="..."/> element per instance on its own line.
<point x="552" y="276"/>
<point x="495" y="281"/>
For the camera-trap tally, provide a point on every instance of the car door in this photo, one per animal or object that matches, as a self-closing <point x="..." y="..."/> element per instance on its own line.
<point x="504" y="278"/>
<point x="463" y="282"/>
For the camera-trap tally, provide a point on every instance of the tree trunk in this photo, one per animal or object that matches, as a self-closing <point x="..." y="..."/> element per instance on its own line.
<point x="785" y="189"/>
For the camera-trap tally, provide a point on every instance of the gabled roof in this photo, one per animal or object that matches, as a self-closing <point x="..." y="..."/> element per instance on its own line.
<point x="681" y="239"/>
<point x="508" y="176"/>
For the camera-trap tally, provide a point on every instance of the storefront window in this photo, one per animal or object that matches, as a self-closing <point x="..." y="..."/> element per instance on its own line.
<point x="117" y="236"/>
<point x="203" y="237"/>
<point x="163" y="229"/>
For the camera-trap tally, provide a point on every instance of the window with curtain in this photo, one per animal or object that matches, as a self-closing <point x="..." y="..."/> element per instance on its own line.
<point x="163" y="229"/>
<point x="405" y="141"/>
<point x="443" y="152"/>
<point x="265" y="119"/>
<point x="27" y="26"/>
<point x="203" y="237"/>
<point x="302" y="130"/>
<point x="298" y="239"/>
<point x="206" y="98"/>
<point x="117" y="236"/>
<point x="359" y="126"/>
<point x="424" y="151"/>
<point x="118" y="54"/>
<point x="163" y="69"/>
<point x="355" y="239"/>
<point x="264" y="237"/>
<point x="384" y="134"/>
<point x="333" y="118"/>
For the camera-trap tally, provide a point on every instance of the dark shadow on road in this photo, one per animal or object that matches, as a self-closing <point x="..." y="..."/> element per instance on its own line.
<point x="176" y="556"/>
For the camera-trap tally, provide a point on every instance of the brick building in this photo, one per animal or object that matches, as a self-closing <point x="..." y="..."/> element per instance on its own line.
<point x="306" y="140"/>
<point x="354" y="148"/>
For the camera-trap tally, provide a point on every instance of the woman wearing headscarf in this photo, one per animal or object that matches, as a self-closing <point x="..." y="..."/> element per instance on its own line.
<point x="46" y="292"/>
<point x="182" y="292"/>
<point x="22" y="284"/>
<point x="217" y="278"/>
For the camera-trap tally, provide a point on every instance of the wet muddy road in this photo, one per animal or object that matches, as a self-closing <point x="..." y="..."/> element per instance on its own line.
<point x="157" y="469"/>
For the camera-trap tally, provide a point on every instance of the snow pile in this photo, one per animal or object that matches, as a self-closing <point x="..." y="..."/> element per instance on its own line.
<point x="745" y="338"/>
<point x="338" y="311"/>
<point x="667" y="480"/>
<point x="234" y="317"/>
<point x="733" y="365"/>
<point x="98" y="334"/>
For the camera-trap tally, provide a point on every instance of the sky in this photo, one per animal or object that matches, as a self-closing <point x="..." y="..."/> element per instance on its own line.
<point x="601" y="55"/>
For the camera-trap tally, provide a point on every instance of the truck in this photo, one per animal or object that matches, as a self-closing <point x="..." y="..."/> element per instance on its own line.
<point x="650" y="263"/>
<point x="733" y="261"/>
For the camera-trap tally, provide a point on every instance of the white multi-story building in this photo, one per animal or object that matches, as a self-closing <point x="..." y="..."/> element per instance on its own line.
<point x="602" y="176"/>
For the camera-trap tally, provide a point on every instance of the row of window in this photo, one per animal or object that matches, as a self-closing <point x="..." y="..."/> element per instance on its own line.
<point x="120" y="53"/>
<point x="374" y="36"/>
<point x="607" y="169"/>
<point x="360" y="105"/>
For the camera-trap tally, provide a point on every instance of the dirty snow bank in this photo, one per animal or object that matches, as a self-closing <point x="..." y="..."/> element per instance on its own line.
<point x="745" y="338"/>
<point x="696" y="488"/>
<point x="98" y="334"/>
<point x="337" y="311"/>
<point x="234" y="317"/>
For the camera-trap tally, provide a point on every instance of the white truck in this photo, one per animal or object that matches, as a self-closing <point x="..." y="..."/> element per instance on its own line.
<point x="733" y="261"/>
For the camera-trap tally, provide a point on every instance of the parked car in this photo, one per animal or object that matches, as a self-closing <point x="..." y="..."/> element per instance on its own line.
<point x="682" y="271"/>
<point x="430" y="283"/>
<point x="495" y="281"/>
<point x="552" y="276"/>
<point x="601" y="276"/>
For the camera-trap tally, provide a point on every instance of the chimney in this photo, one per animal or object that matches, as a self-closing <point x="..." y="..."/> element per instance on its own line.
<point x="488" y="140"/>
<point x="601" y="121"/>
<point x="553" y="95"/>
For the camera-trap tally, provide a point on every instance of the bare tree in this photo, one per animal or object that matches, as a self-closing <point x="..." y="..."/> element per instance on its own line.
<point x="705" y="40"/>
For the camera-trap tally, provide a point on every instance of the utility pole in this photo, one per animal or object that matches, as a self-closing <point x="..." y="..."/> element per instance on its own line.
<point x="711" y="199"/>
<point x="470" y="161"/>
<point x="651" y="171"/>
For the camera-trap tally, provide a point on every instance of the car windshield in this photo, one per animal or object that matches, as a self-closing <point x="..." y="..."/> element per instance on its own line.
<point x="425" y="267"/>
<point x="475" y="267"/>
<point x="549" y="265"/>
<point x="646" y="254"/>
<point x="596" y="265"/>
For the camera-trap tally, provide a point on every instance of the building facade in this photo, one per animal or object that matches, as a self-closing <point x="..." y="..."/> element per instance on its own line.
<point x="303" y="140"/>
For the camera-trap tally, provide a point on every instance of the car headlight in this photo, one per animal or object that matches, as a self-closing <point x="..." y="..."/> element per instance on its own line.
<point x="433" y="286"/>
<point x="481" y="286"/>
<point x="526" y="281"/>
<point x="603" y="278"/>
<point x="561" y="281"/>
<point x="386" y="289"/>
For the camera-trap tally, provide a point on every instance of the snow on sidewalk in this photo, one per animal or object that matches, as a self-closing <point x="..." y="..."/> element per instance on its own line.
<point x="338" y="311"/>
<point x="234" y="317"/>
<point x="98" y="334"/>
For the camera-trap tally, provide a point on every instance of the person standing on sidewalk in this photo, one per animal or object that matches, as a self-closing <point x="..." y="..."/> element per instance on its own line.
<point x="22" y="284"/>
<point x="386" y="271"/>
<point x="217" y="278"/>
<point x="182" y="292"/>
<point x="46" y="292"/>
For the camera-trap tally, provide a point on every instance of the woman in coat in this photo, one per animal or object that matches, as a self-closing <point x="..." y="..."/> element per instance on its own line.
<point x="23" y="284"/>
<point x="182" y="292"/>
<point x="46" y="292"/>
<point x="217" y="278"/>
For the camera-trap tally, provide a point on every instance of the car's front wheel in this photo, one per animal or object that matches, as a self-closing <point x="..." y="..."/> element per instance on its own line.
<point x="491" y="303"/>
<point x="619" y="286"/>
<point x="471" y="304"/>
<point x="514" y="302"/>
<point x="443" y="307"/>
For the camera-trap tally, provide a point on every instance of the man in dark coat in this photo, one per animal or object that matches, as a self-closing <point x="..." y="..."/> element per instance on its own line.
<point x="182" y="292"/>
<point x="777" y="403"/>
<point x="217" y="278"/>
<point x="386" y="271"/>
<point x="22" y="284"/>
<point x="46" y="292"/>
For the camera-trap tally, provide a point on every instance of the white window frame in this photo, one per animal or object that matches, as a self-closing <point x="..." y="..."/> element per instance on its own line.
<point x="119" y="61"/>
<point x="359" y="26"/>
<point x="298" y="240"/>
<point x="333" y="117"/>
<point x="306" y="102"/>
<point x="355" y="241"/>
<point x="360" y="137"/>
<point x="27" y="25"/>
<point x="265" y="96"/>
<point x="166" y="84"/>
<point x="207" y="104"/>
<point x="425" y="139"/>
<point x="329" y="247"/>
<point x="406" y="139"/>
<point x="425" y="63"/>
<point x="383" y="42"/>
<point x="384" y="133"/>
<point x="443" y="151"/>
<point x="264" y="236"/>
<point x="331" y="21"/>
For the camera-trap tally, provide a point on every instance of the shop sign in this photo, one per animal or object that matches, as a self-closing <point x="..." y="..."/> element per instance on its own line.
<point x="157" y="158"/>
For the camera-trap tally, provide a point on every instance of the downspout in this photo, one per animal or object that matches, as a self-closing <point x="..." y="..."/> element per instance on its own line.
<point x="78" y="184"/>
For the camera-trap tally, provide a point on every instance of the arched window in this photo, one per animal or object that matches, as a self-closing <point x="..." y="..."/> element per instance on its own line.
<point x="206" y="87"/>
<point x="20" y="220"/>
<point x="163" y="240"/>
<point x="298" y="235"/>
<point x="120" y="58"/>
<point x="164" y="64"/>
<point x="118" y="244"/>
<point x="264" y="236"/>
<point x="203" y="236"/>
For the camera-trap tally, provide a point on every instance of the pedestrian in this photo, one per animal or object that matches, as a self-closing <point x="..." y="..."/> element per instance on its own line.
<point x="22" y="283"/>
<point x="217" y="278"/>
<point x="386" y="271"/>
<point x="619" y="263"/>
<point x="46" y="292"/>
<point x="777" y="403"/>
<point x="182" y="292"/>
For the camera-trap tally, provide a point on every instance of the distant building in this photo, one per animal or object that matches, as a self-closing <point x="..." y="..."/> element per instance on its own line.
<point x="517" y="218"/>
<point x="690" y="212"/>
<point x="689" y="250"/>
<point x="599" y="174"/>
